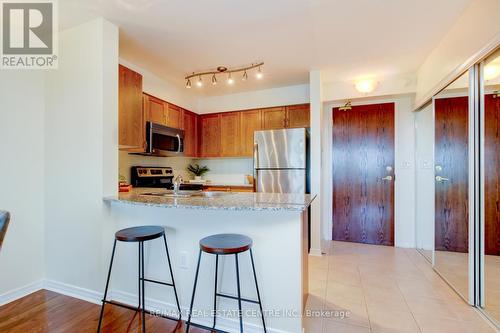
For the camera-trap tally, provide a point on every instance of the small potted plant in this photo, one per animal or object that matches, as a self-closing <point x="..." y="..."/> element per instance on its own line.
<point x="197" y="170"/>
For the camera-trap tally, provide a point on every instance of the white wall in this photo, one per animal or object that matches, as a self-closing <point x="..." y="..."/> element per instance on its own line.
<point x="424" y="173"/>
<point x="163" y="89"/>
<point x="474" y="34"/>
<point x="255" y="99"/>
<point x="81" y="152"/>
<point x="404" y="168"/>
<point x="227" y="170"/>
<point x="22" y="178"/>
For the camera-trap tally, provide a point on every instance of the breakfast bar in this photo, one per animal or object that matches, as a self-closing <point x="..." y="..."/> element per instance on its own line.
<point x="277" y="224"/>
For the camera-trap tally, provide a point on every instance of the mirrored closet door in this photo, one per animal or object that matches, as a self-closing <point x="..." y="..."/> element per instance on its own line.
<point x="490" y="176"/>
<point x="451" y="184"/>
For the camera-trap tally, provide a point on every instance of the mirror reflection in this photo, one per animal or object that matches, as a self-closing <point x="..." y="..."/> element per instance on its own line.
<point x="491" y="102"/>
<point x="451" y="184"/>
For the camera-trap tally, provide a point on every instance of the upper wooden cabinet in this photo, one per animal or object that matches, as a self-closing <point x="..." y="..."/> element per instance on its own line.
<point x="210" y="135"/>
<point x="174" y="116"/>
<point x="250" y="122"/>
<point x="155" y="110"/>
<point x="230" y="134"/>
<point x="130" y="115"/>
<point x="190" y="127"/>
<point x="274" y="118"/>
<point x="298" y="116"/>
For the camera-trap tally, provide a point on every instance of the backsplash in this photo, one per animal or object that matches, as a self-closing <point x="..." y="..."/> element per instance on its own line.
<point x="178" y="164"/>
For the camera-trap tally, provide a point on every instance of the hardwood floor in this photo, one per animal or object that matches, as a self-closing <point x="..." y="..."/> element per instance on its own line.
<point x="46" y="311"/>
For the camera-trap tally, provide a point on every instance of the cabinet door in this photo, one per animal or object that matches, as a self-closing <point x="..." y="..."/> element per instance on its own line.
<point x="130" y="117"/>
<point x="250" y="122"/>
<point x="155" y="110"/>
<point x="210" y="135"/>
<point x="274" y="118"/>
<point x="190" y="127"/>
<point x="174" y="115"/>
<point x="298" y="116"/>
<point x="230" y="134"/>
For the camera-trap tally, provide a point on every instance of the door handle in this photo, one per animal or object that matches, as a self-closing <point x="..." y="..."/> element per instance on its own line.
<point x="440" y="179"/>
<point x="389" y="178"/>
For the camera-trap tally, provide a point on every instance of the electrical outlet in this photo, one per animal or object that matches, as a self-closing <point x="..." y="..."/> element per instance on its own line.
<point x="184" y="260"/>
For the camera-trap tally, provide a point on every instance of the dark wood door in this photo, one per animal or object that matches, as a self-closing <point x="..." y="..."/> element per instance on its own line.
<point x="451" y="163"/>
<point x="492" y="175"/>
<point x="363" y="155"/>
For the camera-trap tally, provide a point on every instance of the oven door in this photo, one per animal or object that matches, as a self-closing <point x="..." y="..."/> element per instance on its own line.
<point x="163" y="140"/>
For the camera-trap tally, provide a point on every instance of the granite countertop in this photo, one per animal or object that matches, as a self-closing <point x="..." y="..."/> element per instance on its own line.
<point x="216" y="184"/>
<point x="226" y="201"/>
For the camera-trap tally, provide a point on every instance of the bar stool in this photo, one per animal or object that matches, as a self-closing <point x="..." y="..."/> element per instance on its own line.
<point x="140" y="235"/>
<point x="226" y="244"/>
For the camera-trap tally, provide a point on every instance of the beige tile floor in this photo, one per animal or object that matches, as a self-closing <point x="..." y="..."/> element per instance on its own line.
<point x="383" y="290"/>
<point x="453" y="266"/>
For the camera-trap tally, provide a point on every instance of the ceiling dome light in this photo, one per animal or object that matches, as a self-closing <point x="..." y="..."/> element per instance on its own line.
<point x="491" y="72"/>
<point x="259" y="73"/>
<point x="214" y="80"/>
<point x="230" y="80"/>
<point x="199" y="83"/>
<point x="365" y="86"/>
<point x="188" y="84"/>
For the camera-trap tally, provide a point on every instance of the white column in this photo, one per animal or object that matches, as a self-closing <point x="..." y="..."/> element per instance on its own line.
<point x="315" y="93"/>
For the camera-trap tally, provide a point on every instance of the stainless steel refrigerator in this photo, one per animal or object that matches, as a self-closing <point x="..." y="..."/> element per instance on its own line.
<point x="281" y="160"/>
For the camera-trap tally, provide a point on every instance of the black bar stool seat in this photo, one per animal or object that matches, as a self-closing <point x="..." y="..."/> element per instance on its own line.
<point x="140" y="234"/>
<point x="226" y="244"/>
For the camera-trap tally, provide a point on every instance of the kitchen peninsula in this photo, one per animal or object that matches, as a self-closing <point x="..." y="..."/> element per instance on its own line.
<point x="277" y="223"/>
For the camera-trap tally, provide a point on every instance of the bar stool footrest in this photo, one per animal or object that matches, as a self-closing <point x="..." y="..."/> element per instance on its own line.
<point x="138" y="309"/>
<point x="158" y="282"/>
<point x="236" y="298"/>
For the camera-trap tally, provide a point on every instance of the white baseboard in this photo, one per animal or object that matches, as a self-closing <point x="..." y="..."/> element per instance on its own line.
<point x="20" y="292"/>
<point x="73" y="291"/>
<point x="315" y="252"/>
<point x="226" y="324"/>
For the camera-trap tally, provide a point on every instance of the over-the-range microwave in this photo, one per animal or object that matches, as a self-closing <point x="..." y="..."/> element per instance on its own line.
<point x="163" y="141"/>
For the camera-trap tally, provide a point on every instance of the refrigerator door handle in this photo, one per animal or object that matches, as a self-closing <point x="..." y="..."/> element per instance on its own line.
<point x="255" y="164"/>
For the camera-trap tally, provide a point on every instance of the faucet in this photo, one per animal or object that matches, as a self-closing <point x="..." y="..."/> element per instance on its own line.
<point x="177" y="183"/>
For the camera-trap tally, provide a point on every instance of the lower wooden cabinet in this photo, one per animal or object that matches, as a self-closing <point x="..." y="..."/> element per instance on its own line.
<point x="221" y="188"/>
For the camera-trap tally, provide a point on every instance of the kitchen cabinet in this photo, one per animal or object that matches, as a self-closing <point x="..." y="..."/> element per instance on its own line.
<point x="190" y="127"/>
<point x="250" y="122"/>
<point x="173" y="115"/>
<point x="227" y="188"/>
<point x="155" y="110"/>
<point x="210" y="135"/>
<point x="230" y="134"/>
<point x="298" y="116"/>
<point x="131" y="134"/>
<point x="274" y="118"/>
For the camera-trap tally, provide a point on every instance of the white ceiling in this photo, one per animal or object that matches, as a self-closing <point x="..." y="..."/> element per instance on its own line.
<point x="347" y="39"/>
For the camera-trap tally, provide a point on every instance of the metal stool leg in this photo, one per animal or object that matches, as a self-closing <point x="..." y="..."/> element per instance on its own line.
<point x="172" y="277"/>
<point x="143" y="290"/>
<point x="239" y="293"/>
<point x="194" y="291"/>
<point x="106" y="289"/>
<point x="215" y="290"/>
<point x="258" y="293"/>
<point x="139" y="277"/>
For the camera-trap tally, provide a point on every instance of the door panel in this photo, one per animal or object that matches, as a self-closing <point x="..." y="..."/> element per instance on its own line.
<point x="274" y="118"/>
<point x="492" y="174"/>
<point x="281" y="181"/>
<point x="281" y="148"/>
<point x="210" y="135"/>
<point x="250" y="122"/>
<point x="230" y="134"/>
<point x="174" y="115"/>
<point x="298" y="116"/>
<point x="451" y="160"/>
<point x="363" y="154"/>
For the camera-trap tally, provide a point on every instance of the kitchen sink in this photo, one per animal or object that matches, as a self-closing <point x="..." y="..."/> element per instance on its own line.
<point x="186" y="194"/>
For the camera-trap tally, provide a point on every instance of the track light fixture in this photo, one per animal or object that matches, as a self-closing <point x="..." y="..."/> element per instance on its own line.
<point x="222" y="69"/>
